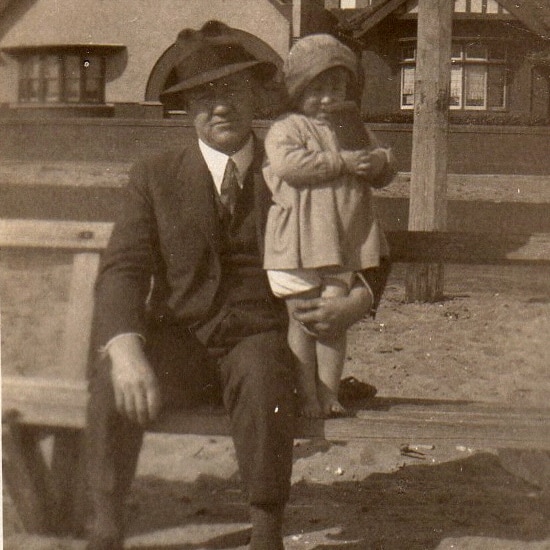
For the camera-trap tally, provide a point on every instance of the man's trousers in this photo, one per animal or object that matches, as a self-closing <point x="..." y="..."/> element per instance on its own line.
<point x="254" y="378"/>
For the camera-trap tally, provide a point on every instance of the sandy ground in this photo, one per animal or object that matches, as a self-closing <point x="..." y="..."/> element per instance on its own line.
<point x="487" y="340"/>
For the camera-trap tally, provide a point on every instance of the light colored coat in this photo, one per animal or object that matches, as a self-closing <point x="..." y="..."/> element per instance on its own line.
<point x="320" y="215"/>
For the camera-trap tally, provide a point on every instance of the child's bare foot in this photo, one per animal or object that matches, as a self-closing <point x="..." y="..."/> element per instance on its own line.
<point x="330" y="405"/>
<point x="334" y="409"/>
<point x="311" y="408"/>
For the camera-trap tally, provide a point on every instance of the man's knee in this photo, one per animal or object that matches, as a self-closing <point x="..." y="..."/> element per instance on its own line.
<point x="262" y="358"/>
<point x="258" y="369"/>
<point x="185" y="373"/>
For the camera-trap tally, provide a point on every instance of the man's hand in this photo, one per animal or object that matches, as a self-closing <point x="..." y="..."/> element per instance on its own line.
<point x="135" y="385"/>
<point x="327" y="318"/>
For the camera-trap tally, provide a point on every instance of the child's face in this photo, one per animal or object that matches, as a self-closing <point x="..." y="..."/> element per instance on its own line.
<point x="328" y="87"/>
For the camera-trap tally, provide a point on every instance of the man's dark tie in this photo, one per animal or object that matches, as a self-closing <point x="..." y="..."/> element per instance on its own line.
<point x="229" y="190"/>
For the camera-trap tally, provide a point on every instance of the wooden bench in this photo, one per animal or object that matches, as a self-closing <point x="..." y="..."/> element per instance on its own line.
<point x="47" y="488"/>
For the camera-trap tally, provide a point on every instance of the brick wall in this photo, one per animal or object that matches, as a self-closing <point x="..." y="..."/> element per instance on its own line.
<point x="472" y="149"/>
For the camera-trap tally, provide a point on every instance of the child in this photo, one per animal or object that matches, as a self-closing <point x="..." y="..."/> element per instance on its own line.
<point x="321" y="227"/>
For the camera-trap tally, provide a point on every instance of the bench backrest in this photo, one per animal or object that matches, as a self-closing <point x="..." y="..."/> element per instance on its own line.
<point x="86" y="240"/>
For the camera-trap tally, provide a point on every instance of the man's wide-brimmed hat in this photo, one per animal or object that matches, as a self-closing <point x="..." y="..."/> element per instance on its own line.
<point x="211" y="53"/>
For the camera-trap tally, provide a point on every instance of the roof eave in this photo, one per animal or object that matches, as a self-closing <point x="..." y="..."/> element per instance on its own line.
<point x="364" y="20"/>
<point x="539" y="23"/>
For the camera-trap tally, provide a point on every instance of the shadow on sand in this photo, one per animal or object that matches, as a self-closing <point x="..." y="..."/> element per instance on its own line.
<point x="414" y="508"/>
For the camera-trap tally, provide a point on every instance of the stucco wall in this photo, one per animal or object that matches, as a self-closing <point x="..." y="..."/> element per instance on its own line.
<point x="146" y="27"/>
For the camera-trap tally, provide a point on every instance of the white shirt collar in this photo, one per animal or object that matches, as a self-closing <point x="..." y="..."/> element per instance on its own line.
<point x="216" y="161"/>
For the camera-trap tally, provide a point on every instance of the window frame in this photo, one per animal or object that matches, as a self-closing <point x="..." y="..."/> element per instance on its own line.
<point x="469" y="8"/>
<point x="63" y="96"/>
<point x="32" y="80"/>
<point x="465" y="65"/>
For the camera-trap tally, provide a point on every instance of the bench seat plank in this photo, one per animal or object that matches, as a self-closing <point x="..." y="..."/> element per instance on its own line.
<point x="62" y="404"/>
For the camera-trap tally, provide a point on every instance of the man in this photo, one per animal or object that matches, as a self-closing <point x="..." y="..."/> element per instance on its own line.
<point x="184" y="313"/>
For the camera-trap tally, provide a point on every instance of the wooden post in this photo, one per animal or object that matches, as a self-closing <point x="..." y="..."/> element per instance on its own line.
<point x="427" y="208"/>
<point x="78" y="321"/>
<point x="24" y="473"/>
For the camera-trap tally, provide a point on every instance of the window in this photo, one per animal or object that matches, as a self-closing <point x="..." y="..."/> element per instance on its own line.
<point x="60" y="77"/>
<point x="476" y="7"/>
<point x="478" y="76"/>
<point x="407" y="87"/>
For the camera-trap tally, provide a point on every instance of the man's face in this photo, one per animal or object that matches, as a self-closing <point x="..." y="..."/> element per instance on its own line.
<point x="222" y="111"/>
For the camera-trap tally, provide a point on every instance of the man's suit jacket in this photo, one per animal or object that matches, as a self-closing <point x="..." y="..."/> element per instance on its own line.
<point x="168" y="233"/>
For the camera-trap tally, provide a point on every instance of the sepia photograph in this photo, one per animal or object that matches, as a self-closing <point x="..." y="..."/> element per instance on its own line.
<point x="275" y="274"/>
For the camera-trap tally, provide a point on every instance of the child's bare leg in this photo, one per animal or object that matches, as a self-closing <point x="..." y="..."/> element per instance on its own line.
<point x="331" y="355"/>
<point x="302" y="346"/>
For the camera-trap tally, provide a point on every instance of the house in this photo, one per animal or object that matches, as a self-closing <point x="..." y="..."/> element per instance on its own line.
<point x="95" y="58"/>
<point x="500" y="69"/>
<point x="103" y="58"/>
<point x="80" y="80"/>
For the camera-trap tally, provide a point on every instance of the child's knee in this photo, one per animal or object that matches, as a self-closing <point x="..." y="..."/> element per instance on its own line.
<point x="296" y="335"/>
<point x="301" y="344"/>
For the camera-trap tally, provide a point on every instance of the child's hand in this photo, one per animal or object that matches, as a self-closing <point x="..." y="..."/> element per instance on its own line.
<point x="356" y="162"/>
<point x="377" y="160"/>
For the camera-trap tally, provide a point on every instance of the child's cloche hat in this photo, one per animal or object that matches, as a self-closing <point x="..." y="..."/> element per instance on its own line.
<point x="312" y="55"/>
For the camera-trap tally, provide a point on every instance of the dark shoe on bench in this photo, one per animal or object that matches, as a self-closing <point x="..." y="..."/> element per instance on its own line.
<point x="352" y="389"/>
